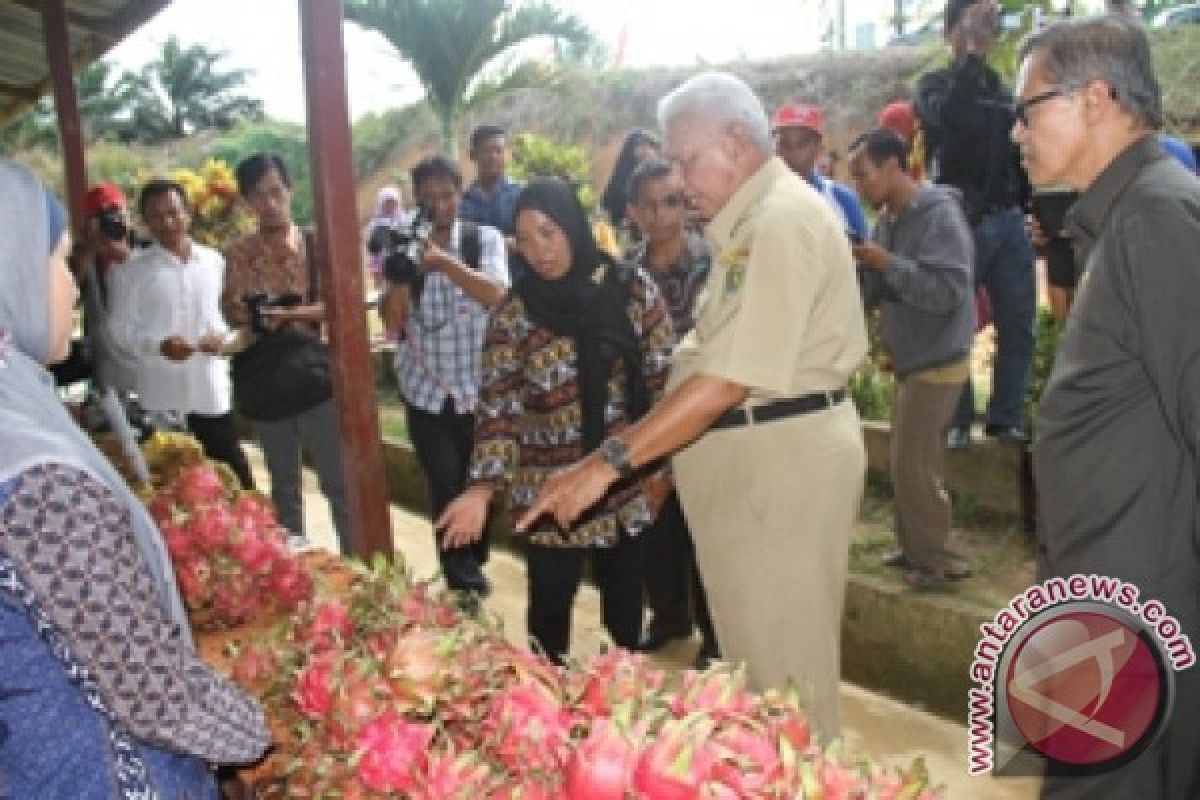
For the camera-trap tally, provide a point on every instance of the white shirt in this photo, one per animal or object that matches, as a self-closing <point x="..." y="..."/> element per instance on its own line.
<point x="155" y="296"/>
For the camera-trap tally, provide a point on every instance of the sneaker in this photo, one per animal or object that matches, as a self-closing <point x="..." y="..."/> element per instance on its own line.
<point x="896" y="558"/>
<point x="299" y="544"/>
<point x="958" y="438"/>
<point x="924" y="580"/>
<point x="1008" y="434"/>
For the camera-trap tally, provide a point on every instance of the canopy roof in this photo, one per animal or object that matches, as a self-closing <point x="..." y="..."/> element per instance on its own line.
<point x="95" y="27"/>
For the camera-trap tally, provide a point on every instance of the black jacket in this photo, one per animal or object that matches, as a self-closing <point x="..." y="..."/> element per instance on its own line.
<point x="966" y="113"/>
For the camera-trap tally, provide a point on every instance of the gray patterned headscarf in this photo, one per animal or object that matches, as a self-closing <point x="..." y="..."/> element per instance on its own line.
<point x="34" y="426"/>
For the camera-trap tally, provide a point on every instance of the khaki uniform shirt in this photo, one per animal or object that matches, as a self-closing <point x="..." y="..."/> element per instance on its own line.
<point x="780" y="313"/>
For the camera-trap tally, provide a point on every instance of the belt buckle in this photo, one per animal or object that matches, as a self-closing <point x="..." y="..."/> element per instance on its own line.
<point x="750" y="420"/>
<point x="829" y="397"/>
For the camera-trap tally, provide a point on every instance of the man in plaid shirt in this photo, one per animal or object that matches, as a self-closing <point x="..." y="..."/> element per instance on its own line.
<point x="441" y="317"/>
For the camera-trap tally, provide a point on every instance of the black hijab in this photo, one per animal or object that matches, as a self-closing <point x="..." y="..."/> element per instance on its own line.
<point x="589" y="304"/>
<point x="616" y="197"/>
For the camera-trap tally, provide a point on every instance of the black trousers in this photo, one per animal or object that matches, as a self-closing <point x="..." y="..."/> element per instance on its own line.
<point x="443" y="445"/>
<point x="218" y="435"/>
<point x="554" y="577"/>
<point x="674" y="592"/>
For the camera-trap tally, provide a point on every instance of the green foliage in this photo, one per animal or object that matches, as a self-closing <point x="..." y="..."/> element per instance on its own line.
<point x="284" y="138"/>
<point x="872" y="386"/>
<point x="458" y="48"/>
<point x="1046" y="333"/>
<point x="538" y="156"/>
<point x="1177" y="63"/>
<point x="375" y="137"/>
<point x="184" y="90"/>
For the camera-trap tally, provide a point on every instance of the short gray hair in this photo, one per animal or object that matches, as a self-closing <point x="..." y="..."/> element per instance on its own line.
<point x="718" y="97"/>
<point x="1111" y="48"/>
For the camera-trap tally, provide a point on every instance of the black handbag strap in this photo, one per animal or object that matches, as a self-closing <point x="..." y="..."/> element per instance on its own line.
<point x="310" y="260"/>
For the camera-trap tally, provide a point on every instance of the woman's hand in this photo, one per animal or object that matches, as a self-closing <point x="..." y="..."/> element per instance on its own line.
<point x="462" y="522"/>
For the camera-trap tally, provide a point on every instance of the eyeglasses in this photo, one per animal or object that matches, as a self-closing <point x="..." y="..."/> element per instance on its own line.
<point x="1022" y="108"/>
<point x="673" y="200"/>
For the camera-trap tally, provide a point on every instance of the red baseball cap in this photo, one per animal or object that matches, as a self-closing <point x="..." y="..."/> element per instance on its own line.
<point x="103" y="196"/>
<point x="899" y="117"/>
<point x="800" y="115"/>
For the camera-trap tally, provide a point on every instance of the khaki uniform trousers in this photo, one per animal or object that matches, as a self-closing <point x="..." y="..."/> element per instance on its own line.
<point x="771" y="508"/>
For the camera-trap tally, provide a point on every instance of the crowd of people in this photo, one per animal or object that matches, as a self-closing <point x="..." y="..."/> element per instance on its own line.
<point x="674" y="416"/>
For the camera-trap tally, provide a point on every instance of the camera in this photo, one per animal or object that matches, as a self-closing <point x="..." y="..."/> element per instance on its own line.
<point x="112" y="226"/>
<point x="402" y="246"/>
<point x="256" y="302"/>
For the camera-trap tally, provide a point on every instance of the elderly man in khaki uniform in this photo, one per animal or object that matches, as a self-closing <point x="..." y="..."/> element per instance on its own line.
<point x="768" y="452"/>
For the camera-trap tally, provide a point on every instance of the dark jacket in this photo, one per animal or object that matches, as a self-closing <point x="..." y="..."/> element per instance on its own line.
<point x="925" y="292"/>
<point x="966" y="113"/>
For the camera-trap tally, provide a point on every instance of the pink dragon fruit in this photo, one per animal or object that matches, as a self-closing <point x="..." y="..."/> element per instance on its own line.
<point x="601" y="766"/>
<point x="391" y="752"/>
<point x="198" y="485"/>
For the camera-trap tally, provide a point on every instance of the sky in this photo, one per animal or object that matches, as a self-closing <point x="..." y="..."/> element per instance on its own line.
<point x="263" y="36"/>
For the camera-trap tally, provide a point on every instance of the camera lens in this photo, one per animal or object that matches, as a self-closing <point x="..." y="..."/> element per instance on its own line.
<point x="112" y="225"/>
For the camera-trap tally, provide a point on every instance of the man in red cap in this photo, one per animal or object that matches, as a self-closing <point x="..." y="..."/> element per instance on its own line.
<point x="104" y="244"/>
<point x="799" y="128"/>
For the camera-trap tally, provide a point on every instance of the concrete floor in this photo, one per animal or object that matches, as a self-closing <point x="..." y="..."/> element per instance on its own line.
<point x="874" y="725"/>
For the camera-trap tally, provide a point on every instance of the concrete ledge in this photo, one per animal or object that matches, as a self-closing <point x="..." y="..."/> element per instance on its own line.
<point x="987" y="475"/>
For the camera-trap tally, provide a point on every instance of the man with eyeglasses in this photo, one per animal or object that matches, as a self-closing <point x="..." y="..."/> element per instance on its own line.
<point x="1118" y="433"/>
<point x="766" y="447"/>
<point x="678" y="260"/>
<point x="966" y="112"/>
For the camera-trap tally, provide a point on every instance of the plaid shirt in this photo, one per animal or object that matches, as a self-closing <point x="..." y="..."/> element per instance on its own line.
<point x="439" y="356"/>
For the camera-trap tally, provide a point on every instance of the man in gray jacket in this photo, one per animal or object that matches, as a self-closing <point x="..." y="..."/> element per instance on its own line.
<point x="917" y="269"/>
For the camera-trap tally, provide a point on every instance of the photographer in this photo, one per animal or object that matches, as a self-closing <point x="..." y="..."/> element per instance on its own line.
<point x="443" y="276"/>
<point x="105" y="244"/>
<point x="275" y="260"/>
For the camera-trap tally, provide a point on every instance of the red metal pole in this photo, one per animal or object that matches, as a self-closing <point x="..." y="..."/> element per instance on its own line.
<point x="341" y="271"/>
<point x="66" y="106"/>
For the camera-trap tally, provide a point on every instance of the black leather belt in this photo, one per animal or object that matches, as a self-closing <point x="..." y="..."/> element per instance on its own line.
<point x="779" y="409"/>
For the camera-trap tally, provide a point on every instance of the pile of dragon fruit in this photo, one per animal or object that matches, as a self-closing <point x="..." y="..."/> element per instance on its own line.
<point x="230" y="555"/>
<point x="387" y="690"/>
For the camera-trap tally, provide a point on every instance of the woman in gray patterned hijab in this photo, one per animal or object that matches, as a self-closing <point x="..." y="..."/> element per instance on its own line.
<point x="101" y="690"/>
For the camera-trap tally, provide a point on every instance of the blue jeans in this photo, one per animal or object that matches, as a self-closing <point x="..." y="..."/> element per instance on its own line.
<point x="1004" y="266"/>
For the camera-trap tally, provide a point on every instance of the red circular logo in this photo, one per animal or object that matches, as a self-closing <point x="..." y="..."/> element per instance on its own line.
<point x="1085" y="688"/>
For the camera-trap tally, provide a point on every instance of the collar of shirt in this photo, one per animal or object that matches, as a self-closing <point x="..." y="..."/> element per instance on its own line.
<point x="723" y="229"/>
<point x="162" y="255"/>
<point x="503" y="186"/>
<point x="1086" y="218"/>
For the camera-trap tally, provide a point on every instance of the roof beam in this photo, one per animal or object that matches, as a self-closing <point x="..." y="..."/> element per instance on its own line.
<point x="101" y="28"/>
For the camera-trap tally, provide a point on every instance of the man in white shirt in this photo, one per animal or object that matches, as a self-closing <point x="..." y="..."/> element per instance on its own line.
<point x="166" y="315"/>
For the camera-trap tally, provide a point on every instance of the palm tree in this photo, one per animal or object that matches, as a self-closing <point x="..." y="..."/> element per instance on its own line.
<point x="185" y="90"/>
<point x="460" y="48"/>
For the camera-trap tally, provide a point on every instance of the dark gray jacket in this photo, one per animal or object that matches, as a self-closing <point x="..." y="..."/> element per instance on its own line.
<point x="926" y="292"/>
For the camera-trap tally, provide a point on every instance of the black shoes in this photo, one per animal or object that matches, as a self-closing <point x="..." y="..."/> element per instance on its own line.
<point x="706" y="655"/>
<point x="657" y="637"/>
<point x="896" y="558"/>
<point x="1009" y="434"/>
<point x="923" y="579"/>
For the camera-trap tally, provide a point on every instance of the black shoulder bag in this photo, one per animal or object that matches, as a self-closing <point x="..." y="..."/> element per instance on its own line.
<point x="284" y="372"/>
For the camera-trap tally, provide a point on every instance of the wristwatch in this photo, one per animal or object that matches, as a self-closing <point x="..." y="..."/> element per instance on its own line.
<point x="616" y="455"/>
